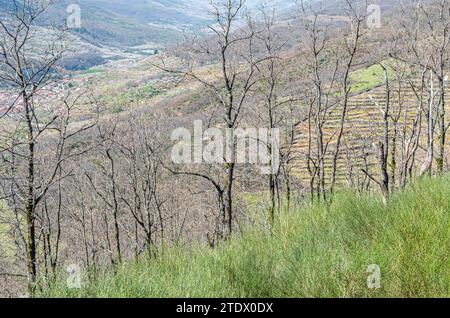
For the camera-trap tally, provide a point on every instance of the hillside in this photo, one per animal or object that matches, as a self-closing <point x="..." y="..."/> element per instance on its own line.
<point x="122" y="29"/>
<point x="115" y="157"/>
<point x="124" y="23"/>
<point x="364" y="129"/>
<point x="158" y="22"/>
<point x="313" y="252"/>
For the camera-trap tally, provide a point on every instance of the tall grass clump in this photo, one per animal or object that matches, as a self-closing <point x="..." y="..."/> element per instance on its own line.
<point x="314" y="251"/>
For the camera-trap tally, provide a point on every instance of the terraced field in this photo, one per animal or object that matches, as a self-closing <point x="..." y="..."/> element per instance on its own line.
<point x="363" y="130"/>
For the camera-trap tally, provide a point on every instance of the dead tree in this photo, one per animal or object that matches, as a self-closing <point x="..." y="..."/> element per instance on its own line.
<point x="273" y="113"/>
<point x="351" y="49"/>
<point x="383" y="145"/>
<point x="107" y="190"/>
<point x="317" y="41"/>
<point x="426" y="28"/>
<point x="26" y="71"/>
<point x="232" y="48"/>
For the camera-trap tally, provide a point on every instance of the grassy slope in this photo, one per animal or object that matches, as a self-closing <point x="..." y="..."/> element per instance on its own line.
<point x="313" y="253"/>
<point x="368" y="78"/>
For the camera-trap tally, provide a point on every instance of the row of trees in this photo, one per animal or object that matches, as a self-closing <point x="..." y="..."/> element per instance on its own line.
<point x="104" y="191"/>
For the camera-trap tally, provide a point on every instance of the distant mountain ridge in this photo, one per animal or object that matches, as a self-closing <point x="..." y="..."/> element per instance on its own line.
<point x="158" y="21"/>
<point x="129" y="23"/>
<point x="125" y="23"/>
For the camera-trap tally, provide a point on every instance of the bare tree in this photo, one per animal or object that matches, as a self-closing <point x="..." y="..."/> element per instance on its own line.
<point x="351" y="49"/>
<point x="426" y="33"/>
<point x="27" y="71"/>
<point x="232" y="45"/>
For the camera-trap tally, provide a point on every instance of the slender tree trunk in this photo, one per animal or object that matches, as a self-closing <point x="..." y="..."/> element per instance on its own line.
<point x="229" y="191"/>
<point x="384" y="147"/>
<point x="428" y="165"/>
<point x="272" y="199"/>
<point x="116" y="207"/>
<point x="30" y="205"/>
<point x="442" y="128"/>
<point x="393" y="161"/>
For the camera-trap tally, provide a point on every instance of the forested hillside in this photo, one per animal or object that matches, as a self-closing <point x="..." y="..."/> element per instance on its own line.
<point x="180" y="148"/>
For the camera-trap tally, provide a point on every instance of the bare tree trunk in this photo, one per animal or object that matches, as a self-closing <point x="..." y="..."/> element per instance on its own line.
<point x="352" y="51"/>
<point x="30" y="205"/>
<point x="229" y="197"/>
<point x="384" y="149"/>
<point x="442" y="127"/>
<point x="428" y="164"/>
<point x="115" y="206"/>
